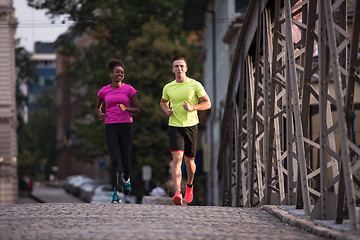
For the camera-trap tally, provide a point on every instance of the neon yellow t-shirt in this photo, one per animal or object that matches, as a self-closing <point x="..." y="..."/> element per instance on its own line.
<point x="190" y="91"/>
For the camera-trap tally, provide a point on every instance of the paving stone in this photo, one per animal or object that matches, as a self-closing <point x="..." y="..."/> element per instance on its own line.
<point x="136" y="221"/>
<point x="71" y="220"/>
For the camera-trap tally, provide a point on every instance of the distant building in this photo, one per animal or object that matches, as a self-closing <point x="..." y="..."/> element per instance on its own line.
<point x="8" y="118"/>
<point x="44" y="48"/>
<point x="44" y="60"/>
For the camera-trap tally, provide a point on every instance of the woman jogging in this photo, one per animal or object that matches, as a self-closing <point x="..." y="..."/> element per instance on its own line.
<point x="118" y="123"/>
<point x="180" y="101"/>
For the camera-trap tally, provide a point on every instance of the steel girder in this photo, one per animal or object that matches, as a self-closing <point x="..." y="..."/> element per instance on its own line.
<point x="269" y="153"/>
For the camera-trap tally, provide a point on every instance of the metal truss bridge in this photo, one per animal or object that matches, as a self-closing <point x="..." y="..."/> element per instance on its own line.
<point x="296" y="66"/>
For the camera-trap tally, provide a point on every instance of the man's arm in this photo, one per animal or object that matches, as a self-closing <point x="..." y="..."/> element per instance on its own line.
<point x="164" y="104"/>
<point x="203" y="105"/>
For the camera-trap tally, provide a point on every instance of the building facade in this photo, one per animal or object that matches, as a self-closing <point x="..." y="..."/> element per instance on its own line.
<point x="8" y="119"/>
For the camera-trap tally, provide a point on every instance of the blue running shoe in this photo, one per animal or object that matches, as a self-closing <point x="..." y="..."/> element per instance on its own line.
<point x="115" y="197"/>
<point x="127" y="186"/>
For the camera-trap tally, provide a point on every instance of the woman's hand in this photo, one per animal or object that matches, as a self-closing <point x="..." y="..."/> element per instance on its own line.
<point x="98" y="111"/>
<point x="122" y="107"/>
<point x="102" y="116"/>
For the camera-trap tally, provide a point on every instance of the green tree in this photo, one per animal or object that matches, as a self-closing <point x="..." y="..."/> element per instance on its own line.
<point x="150" y="70"/>
<point x="37" y="138"/>
<point x="145" y="35"/>
<point x="113" y="22"/>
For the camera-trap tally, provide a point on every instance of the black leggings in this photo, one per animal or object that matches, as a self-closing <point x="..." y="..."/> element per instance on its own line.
<point x="118" y="138"/>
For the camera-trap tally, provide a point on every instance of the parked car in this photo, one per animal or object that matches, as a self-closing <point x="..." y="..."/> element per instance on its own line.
<point x="87" y="190"/>
<point x="77" y="184"/>
<point x="103" y="194"/>
<point x="67" y="183"/>
<point x="25" y="186"/>
<point x="73" y="183"/>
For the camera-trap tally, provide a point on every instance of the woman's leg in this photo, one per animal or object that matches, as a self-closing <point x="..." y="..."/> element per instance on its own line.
<point x="125" y="145"/>
<point x="112" y="143"/>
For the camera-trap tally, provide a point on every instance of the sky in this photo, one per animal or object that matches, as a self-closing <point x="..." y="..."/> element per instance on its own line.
<point x="35" y="26"/>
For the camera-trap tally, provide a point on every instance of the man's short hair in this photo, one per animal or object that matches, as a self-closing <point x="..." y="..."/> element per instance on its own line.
<point x="179" y="58"/>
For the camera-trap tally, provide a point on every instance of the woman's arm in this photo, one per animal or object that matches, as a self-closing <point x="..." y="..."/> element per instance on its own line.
<point x="135" y="105"/>
<point x="98" y="107"/>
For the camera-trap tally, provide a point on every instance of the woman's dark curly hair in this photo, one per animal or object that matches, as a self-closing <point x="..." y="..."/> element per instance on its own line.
<point x="112" y="63"/>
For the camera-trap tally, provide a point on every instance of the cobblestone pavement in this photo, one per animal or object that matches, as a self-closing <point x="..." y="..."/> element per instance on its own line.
<point x="135" y="221"/>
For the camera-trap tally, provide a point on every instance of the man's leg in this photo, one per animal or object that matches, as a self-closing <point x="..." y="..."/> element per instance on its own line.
<point x="190" y="169"/>
<point x="176" y="142"/>
<point x="190" y="152"/>
<point x="176" y="169"/>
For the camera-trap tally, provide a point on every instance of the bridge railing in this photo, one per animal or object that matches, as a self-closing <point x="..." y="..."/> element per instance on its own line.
<point x="288" y="129"/>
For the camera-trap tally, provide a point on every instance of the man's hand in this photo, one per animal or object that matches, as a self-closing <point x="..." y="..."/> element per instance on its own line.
<point x="187" y="106"/>
<point x="170" y="112"/>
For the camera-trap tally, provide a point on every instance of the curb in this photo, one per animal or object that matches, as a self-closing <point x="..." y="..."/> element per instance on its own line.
<point x="307" y="225"/>
<point x="36" y="198"/>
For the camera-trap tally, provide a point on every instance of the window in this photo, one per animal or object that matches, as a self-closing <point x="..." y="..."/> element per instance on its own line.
<point x="49" y="82"/>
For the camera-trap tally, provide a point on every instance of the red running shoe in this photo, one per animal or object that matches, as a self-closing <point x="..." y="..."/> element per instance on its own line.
<point x="189" y="194"/>
<point x="177" y="199"/>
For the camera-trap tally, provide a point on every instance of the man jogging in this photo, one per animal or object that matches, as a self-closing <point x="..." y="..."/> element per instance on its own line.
<point x="180" y="101"/>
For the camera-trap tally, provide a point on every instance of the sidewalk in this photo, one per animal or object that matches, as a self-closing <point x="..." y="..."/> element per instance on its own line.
<point x="323" y="228"/>
<point x="45" y="194"/>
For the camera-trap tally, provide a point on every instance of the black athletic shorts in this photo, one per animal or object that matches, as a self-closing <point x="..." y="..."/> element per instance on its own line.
<point x="183" y="139"/>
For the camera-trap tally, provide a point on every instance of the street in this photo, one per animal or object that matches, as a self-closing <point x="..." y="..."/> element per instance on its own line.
<point x="51" y="213"/>
<point x="136" y="221"/>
